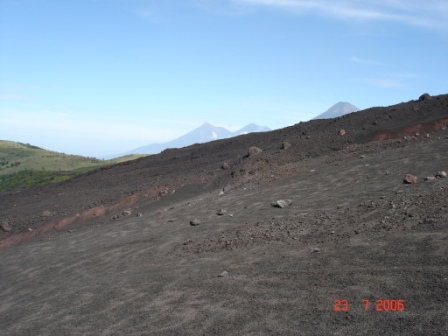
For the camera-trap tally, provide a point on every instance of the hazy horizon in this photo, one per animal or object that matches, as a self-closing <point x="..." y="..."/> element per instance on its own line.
<point x="99" y="77"/>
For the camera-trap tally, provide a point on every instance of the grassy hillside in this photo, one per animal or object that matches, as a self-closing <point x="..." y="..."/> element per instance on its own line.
<point x="24" y="165"/>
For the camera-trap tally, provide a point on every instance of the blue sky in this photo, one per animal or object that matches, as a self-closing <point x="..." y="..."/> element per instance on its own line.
<point x="99" y="77"/>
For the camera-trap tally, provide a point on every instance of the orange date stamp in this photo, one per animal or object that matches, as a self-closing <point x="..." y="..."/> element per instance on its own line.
<point x="379" y="305"/>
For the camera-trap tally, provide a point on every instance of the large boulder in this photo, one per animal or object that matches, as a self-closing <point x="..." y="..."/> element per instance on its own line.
<point x="195" y="222"/>
<point x="126" y="212"/>
<point x="5" y="226"/>
<point x="410" y="179"/>
<point x="285" y="145"/>
<point x="424" y="96"/>
<point x="281" y="203"/>
<point x="254" y="151"/>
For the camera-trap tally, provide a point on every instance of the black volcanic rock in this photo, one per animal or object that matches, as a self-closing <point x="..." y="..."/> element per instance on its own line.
<point x="424" y="96"/>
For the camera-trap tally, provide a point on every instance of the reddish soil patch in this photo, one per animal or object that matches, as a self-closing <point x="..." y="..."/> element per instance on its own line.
<point x="420" y="129"/>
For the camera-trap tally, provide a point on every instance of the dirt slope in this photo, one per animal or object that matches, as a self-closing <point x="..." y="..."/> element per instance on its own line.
<point x="353" y="232"/>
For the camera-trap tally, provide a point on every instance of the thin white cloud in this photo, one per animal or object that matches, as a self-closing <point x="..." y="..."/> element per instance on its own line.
<point x="429" y="13"/>
<point x="220" y="7"/>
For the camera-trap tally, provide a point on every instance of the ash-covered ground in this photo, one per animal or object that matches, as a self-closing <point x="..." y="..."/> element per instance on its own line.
<point x="114" y="253"/>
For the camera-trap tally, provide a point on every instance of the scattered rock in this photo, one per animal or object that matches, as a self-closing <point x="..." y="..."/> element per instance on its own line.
<point x="48" y="213"/>
<point x="223" y="274"/>
<point x="281" y="203"/>
<point x="429" y="178"/>
<point x="254" y="151"/>
<point x="126" y="213"/>
<point x="410" y="179"/>
<point x="285" y="145"/>
<point x="139" y="214"/>
<point x="163" y="192"/>
<point x="221" y="193"/>
<point x="315" y="250"/>
<point x="225" y="166"/>
<point x="424" y="96"/>
<point x="221" y="212"/>
<point x="71" y="231"/>
<point x="6" y="227"/>
<point x="161" y="211"/>
<point x="362" y="157"/>
<point x="195" y="222"/>
<point x="342" y="132"/>
<point x="441" y="174"/>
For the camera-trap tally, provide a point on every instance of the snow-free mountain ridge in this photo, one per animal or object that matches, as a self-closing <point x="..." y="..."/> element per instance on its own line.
<point x="208" y="132"/>
<point x="337" y="110"/>
<point x="204" y="133"/>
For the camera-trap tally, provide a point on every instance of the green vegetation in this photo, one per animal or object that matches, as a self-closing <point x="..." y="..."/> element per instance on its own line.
<point x="31" y="178"/>
<point x="24" y="165"/>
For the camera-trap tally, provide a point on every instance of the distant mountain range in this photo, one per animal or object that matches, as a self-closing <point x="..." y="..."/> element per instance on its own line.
<point x="337" y="110"/>
<point x="208" y="132"/>
<point x="205" y="133"/>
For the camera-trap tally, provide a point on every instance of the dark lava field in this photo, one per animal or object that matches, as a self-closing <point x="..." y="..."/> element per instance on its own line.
<point x="328" y="227"/>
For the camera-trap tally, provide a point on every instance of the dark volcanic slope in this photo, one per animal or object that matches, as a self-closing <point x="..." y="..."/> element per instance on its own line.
<point x="199" y="166"/>
<point x="353" y="232"/>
